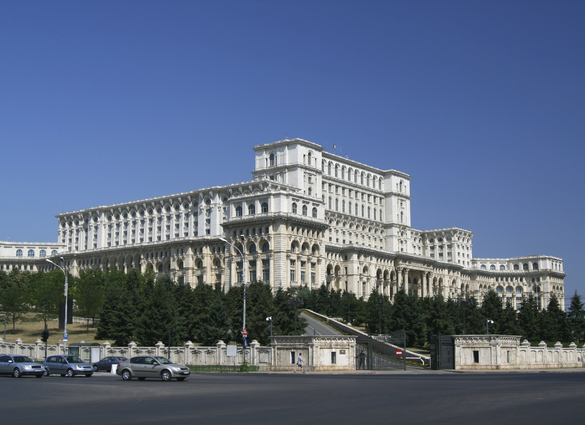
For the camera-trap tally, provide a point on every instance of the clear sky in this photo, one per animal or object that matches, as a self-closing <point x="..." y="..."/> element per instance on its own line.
<point x="481" y="102"/>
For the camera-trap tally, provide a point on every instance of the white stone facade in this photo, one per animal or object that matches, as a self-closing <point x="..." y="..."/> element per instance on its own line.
<point x="308" y="217"/>
<point x="27" y="256"/>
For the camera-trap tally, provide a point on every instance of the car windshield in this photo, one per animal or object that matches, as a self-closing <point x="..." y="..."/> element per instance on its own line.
<point x="163" y="360"/>
<point x="73" y="359"/>
<point x="22" y="359"/>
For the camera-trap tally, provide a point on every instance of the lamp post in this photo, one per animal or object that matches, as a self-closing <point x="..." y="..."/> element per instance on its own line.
<point x="487" y="323"/>
<point x="380" y="315"/>
<point x="269" y="319"/>
<point x="65" y="336"/>
<point x="244" y="285"/>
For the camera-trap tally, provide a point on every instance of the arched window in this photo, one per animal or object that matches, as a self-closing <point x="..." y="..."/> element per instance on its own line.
<point x="314" y="212"/>
<point x="304" y="210"/>
<point x="54" y="252"/>
<point x="502" y="267"/>
<point x="525" y="266"/>
<point x="337" y="171"/>
<point x="483" y="267"/>
<point x="294" y="207"/>
<point x="19" y="252"/>
<point x="534" y="266"/>
<point x="43" y="253"/>
<point x="238" y="211"/>
<point x="329" y="169"/>
<point x="265" y="247"/>
<point x="272" y="160"/>
<point x="492" y="267"/>
<point x="336" y="204"/>
<point x="264" y="207"/>
<point x="252" y="249"/>
<point x="251" y="209"/>
<point x="31" y="253"/>
<point x="310" y="192"/>
<point x="516" y="267"/>
<point x="180" y="265"/>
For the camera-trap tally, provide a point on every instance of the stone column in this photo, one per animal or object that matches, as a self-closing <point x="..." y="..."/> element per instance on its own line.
<point x="220" y="349"/>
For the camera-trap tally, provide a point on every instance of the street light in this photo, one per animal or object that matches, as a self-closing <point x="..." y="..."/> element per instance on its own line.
<point x="65" y="336"/>
<point x="487" y="323"/>
<point x="269" y="319"/>
<point x="243" y="283"/>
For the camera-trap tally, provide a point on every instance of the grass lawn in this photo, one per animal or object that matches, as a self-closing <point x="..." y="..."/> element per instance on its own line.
<point x="30" y="330"/>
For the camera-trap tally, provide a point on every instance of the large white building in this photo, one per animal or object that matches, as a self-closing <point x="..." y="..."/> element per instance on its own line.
<point x="308" y="217"/>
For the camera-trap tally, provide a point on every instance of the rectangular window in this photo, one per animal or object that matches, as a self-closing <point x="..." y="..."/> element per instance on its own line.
<point x="475" y="356"/>
<point x="293" y="357"/>
<point x="333" y="357"/>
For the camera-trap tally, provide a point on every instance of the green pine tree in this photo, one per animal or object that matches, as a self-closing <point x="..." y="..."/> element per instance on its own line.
<point x="576" y="319"/>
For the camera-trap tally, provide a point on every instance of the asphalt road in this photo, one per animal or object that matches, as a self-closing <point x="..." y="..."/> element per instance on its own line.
<point x="426" y="397"/>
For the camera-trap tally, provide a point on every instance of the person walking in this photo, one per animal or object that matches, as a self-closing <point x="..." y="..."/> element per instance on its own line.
<point x="300" y="364"/>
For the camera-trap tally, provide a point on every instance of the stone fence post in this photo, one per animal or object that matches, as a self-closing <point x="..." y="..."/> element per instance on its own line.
<point x="254" y="352"/>
<point x="221" y="354"/>
<point x="131" y="347"/>
<point x="187" y="356"/>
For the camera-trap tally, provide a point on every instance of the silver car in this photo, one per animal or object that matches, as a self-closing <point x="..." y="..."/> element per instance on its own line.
<point x="67" y="366"/>
<point x="159" y="367"/>
<point x="19" y="366"/>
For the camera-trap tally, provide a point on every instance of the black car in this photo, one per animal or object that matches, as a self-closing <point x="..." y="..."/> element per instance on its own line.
<point x="106" y="363"/>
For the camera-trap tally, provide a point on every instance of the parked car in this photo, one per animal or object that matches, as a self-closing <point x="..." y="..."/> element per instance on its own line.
<point x="143" y="367"/>
<point x="106" y="363"/>
<point x="67" y="366"/>
<point x="19" y="366"/>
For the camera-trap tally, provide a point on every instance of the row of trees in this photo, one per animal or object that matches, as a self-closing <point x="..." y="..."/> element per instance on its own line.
<point x="144" y="309"/>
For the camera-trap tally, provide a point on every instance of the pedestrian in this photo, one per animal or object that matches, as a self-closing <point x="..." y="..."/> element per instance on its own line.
<point x="300" y="364"/>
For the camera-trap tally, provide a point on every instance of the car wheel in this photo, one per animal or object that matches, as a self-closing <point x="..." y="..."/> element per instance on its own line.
<point x="70" y="373"/>
<point x="165" y="375"/>
<point x="180" y="379"/>
<point x="126" y="375"/>
<point x="39" y="375"/>
<point x="46" y="373"/>
<point x="16" y="373"/>
<point x="95" y="368"/>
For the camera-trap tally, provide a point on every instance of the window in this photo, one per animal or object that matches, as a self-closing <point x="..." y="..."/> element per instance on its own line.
<point x="294" y="208"/>
<point x="251" y="209"/>
<point x="265" y="247"/>
<point x="238" y="212"/>
<point x="304" y="210"/>
<point x="19" y="252"/>
<point x="43" y="253"/>
<point x="314" y="212"/>
<point x="333" y="357"/>
<point x="272" y="160"/>
<point x="31" y="253"/>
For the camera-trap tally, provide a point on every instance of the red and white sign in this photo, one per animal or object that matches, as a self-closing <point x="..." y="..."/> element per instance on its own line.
<point x="245" y="332"/>
<point x="399" y="353"/>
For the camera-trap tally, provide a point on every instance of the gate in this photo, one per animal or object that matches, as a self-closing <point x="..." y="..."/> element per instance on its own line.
<point x="372" y="354"/>
<point x="442" y="352"/>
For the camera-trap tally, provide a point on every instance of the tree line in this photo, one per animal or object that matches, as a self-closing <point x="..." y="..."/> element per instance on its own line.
<point x="143" y="308"/>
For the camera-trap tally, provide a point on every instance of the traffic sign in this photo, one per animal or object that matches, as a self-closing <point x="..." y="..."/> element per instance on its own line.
<point x="245" y="332"/>
<point x="65" y="336"/>
<point x="399" y="353"/>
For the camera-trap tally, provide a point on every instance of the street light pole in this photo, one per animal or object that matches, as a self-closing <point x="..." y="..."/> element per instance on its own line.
<point x="487" y="322"/>
<point x="243" y="283"/>
<point x="65" y="336"/>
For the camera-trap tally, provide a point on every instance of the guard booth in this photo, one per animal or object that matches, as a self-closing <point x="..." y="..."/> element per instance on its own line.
<point x="442" y="352"/>
<point x="89" y="352"/>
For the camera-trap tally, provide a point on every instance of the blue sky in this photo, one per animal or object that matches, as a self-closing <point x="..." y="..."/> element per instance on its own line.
<point x="482" y="103"/>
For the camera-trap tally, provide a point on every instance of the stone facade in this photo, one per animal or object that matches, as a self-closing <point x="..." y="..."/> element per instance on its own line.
<point x="487" y="352"/>
<point x="320" y="353"/>
<point x="308" y="217"/>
